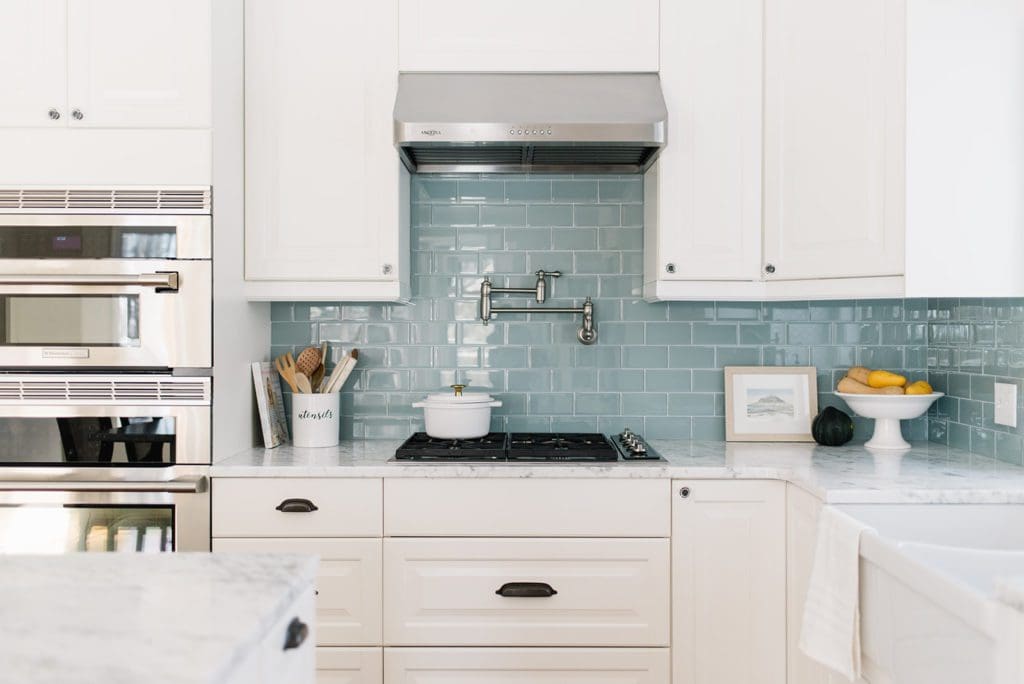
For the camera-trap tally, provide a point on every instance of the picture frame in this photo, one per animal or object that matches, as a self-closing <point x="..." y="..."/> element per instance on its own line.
<point x="770" y="403"/>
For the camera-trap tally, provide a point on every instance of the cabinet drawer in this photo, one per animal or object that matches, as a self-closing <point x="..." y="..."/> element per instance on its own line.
<point x="248" y="507"/>
<point x="348" y="584"/>
<point x="450" y="507"/>
<point x="349" y="666"/>
<point x="533" y="665"/>
<point x="609" y="592"/>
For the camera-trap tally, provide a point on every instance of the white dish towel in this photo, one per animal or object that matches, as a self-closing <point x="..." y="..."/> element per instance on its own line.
<point x="831" y="626"/>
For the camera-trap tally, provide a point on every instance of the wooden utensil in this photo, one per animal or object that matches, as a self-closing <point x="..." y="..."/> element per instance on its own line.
<point x="341" y="372"/>
<point x="286" y="369"/>
<point x="302" y="380"/>
<point x="308" y="361"/>
<point x="317" y="378"/>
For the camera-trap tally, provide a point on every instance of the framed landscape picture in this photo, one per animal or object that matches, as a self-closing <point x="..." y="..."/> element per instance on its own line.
<point x="770" y="404"/>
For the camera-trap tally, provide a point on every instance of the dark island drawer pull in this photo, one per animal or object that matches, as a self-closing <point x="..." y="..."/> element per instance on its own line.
<point x="526" y="590"/>
<point x="297" y="506"/>
<point x="297" y="633"/>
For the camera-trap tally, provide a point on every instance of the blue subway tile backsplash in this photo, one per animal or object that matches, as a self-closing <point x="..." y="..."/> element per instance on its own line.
<point x="656" y="367"/>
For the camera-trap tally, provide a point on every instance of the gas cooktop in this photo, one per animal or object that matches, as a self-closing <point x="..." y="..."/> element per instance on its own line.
<point x="529" y="446"/>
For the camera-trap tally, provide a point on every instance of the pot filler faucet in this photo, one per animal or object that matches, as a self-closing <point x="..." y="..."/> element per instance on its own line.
<point x="587" y="333"/>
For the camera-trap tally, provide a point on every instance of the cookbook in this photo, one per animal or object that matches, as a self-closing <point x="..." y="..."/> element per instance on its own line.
<point x="271" y="404"/>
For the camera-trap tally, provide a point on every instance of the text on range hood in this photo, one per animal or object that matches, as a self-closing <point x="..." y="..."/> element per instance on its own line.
<point x="544" y="123"/>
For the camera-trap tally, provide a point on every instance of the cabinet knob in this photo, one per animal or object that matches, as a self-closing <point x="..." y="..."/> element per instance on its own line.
<point x="296" y="634"/>
<point x="77" y="114"/>
<point x="387" y="269"/>
<point x="684" y="493"/>
<point x="769" y="268"/>
<point x="54" y="114"/>
<point x="670" y="267"/>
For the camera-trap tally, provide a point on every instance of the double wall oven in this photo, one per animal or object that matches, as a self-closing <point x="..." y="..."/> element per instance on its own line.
<point x="105" y="362"/>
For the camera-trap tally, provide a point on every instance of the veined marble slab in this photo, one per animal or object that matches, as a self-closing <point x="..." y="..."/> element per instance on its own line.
<point x="129" y="618"/>
<point x="928" y="473"/>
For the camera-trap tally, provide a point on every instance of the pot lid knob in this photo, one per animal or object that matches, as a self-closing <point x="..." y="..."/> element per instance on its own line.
<point x="458" y="389"/>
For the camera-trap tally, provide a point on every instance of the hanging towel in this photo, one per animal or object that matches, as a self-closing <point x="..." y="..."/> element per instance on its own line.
<point x="831" y="626"/>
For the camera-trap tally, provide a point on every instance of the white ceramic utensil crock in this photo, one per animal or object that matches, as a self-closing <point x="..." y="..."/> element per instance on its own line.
<point x="455" y="415"/>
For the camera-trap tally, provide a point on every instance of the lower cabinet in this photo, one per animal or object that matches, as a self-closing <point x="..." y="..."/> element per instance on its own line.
<point x="728" y="582"/>
<point x="349" y="665"/>
<point x="519" y="665"/>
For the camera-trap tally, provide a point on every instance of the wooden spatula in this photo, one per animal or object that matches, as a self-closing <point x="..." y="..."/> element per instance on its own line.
<point x="285" y="365"/>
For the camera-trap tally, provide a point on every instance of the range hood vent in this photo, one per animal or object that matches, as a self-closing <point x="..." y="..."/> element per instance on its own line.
<point x="522" y="123"/>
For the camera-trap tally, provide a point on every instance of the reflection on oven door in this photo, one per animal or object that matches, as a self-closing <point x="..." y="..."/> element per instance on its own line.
<point x="57" y="529"/>
<point x="88" y="441"/>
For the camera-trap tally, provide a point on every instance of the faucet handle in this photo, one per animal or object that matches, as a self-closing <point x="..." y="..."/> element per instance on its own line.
<point x="541" y="274"/>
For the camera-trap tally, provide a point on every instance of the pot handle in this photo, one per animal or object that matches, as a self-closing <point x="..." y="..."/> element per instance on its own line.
<point x="420" y="404"/>
<point x="494" y="404"/>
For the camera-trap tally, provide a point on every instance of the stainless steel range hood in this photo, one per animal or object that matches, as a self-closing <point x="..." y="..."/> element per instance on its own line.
<point x="544" y="123"/>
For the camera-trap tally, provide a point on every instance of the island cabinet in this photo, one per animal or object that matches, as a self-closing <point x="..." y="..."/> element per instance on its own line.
<point x="815" y="150"/>
<point x="337" y="519"/>
<point x="728" y="582"/>
<point x="326" y="197"/>
<point x="117" y="91"/>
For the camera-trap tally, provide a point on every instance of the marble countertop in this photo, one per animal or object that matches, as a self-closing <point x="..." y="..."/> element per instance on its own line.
<point x="120" y="618"/>
<point x="928" y="473"/>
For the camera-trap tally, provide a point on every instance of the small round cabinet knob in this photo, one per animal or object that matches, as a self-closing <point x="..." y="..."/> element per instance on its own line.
<point x="670" y="268"/>
<point x="684" y="493"/>
<point x="770" y="268"/>
<point x="77" y="114"/>
<point x="53" y="114"/>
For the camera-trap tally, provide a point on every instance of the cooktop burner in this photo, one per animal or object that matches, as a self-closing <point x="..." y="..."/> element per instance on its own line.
<point x="528" y="446"/>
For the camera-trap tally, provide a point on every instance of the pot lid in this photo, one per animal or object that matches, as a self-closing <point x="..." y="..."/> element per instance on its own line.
<point x="457" y="396"/>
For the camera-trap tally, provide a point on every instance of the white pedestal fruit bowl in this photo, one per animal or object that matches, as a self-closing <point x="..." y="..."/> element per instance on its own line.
<point x="888" y="410"/>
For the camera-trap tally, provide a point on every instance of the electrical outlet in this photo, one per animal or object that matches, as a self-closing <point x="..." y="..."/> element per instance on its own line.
<point x="1006" y="404"/>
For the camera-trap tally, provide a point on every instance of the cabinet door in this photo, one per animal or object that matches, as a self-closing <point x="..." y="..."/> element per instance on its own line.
<point x="520" y="665"/>
<point x="349" y="666"/>
<point x="728" y="583"/>
<point x="348" y="584"/>
<point x="706" y="190"/>
<point x="140" y="63"/>
<point x="834" y="138"/>
<point x="801" y="532"/>
<point x="33" y="62"/>
<point x="322" y="194"/>
<point x="528" y="35"/>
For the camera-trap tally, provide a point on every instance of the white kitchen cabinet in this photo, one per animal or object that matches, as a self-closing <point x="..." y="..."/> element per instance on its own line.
<point x="139" y="63"/>
<point x="801" y="533"/>
<point x="33" y="62"/>
<point x="728" y="582"/>
<point x="588" y="592"/>
<point x="348" y="584"/>
<point x="528" y="35"/>
<point x="884" y="168"/>
<point x="703" y="197"/>
<point x="517" y="665"/>
<point x="349" y="666"/>
<point x="326" y="198"/>
<point x="834" y="138"/>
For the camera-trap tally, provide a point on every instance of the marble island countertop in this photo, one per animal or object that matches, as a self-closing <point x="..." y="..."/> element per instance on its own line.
<point x="851" y="474"/>
<point x="119" y="618"/>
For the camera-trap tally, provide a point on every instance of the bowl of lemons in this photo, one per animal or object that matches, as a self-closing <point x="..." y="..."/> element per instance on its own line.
<point x="888" y="398"/>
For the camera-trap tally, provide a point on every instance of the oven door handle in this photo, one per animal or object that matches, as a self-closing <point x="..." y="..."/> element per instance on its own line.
<point x="195" y="485"/>
<point x="162" y="281"/>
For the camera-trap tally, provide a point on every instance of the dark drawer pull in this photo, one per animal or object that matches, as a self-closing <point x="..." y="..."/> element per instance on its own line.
<point x="297" y="506"/>
<point x="297" y="633"/>
<point x="526" y="590"/>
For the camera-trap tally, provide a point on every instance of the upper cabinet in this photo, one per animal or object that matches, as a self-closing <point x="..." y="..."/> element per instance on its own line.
<point x="835" y="149"/>
<point x="105" y="63"/>
<point x="528" y="35"/>
<point x="326" y="198"/>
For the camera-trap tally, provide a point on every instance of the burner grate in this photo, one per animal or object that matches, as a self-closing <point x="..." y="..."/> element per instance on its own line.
<point x="545" y="446"/>
<point x="422" y="447"/>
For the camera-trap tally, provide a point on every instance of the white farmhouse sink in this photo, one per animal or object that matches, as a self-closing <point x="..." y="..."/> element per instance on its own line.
<point x="929" y="614"/>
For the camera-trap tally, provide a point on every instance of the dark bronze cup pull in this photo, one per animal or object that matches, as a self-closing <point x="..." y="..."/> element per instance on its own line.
<point x="296" y="634"/>
<point x="296" y="506"/>
<point x="526" y="590"/>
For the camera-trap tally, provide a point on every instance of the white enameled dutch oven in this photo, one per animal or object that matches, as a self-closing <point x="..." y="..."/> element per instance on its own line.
<point x="455" y="415"/>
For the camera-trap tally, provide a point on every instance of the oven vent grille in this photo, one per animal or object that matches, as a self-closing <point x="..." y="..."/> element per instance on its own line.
<point x="169" y="390"/>
<point x="90" y="200"/>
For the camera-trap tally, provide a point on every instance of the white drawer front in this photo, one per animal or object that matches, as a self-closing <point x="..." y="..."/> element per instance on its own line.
<point x="248" y="507"/>
<point x="349" y="666"/>
<point x="521" y="665"/>
<point x="348" y="584"/>
<point x="526" y="508"/>
<point x="610" y="592"/>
